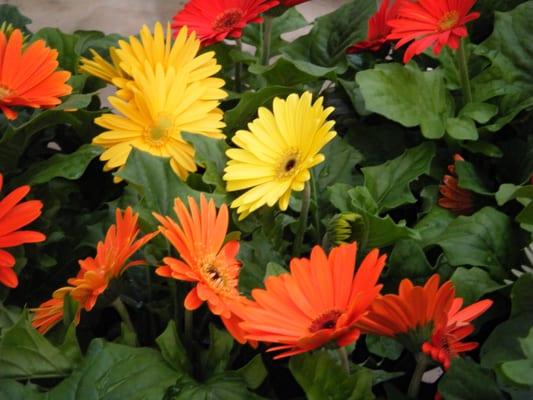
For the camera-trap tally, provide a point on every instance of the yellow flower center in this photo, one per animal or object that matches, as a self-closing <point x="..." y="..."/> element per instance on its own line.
<point x="227" y="19"/>
<point x="327" y="320"/>
<point x="288" y="164"/>
<point x="4" y="92"/>
<point x="448" y="20"/>
<point x="216" y="277"/>
<point x="158" y="134"/>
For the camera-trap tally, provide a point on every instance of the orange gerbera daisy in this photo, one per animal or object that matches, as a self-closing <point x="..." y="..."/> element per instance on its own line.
<point x="199" y="236"/>
<point x="427" y="318"/>
<point x="28" y="77"/>
<point x="95" y="273"/>
<point x="13" y="216"/>
<point x="213" y="21"/>
<point x="377" y="28"/>
<point x="317" y="304"/>
<point x="454" y="198"/>
<point x="431" y="23"/>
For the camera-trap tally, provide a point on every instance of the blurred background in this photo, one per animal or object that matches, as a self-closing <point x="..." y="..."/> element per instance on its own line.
<point x="123" y="16"/>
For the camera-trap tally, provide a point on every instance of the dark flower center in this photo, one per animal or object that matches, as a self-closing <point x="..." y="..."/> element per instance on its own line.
<point x="327" y="320"/>
<point x="227" y="20"/>
<point x="290" y="164"/>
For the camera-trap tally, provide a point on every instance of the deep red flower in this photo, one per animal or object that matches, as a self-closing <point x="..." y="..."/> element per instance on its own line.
<point x="431" y="23"/>
<point x="292" y="3"/>
<point x="13" y="216"/>
<point x="454" y="198"/>
<point x="214" y="20"/>
<point x="378" y="30"/>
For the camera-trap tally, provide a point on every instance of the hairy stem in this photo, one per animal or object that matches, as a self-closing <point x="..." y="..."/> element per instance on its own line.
<point x="302" y="226"/>
<point x="189" y="321"/>
<point x="343" y="357"/>
<point x="121" y="309"/>
<point x="462" y="64"/>
<point x="238" y="70"/>
<point x="422" y="362"/>
<point x="267" y="40"/>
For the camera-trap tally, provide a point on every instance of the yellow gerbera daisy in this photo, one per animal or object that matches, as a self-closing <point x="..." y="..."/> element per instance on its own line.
<point x="163" y="105"/>
<point x="277" y="151"/>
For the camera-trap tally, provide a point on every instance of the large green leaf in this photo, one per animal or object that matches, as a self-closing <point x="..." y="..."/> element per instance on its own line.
<point x="408" y="260"/>
<point x="69" y="166"/>
<point x="172" y="349"/>
<point x="12" y="15"/>
<point x="389" y="183"/>
<point x="510" y="51"/>
<point x="520" y="372"/>
<point x="64" y="43"/>
<point x="480" y="240"/>
<point x="466" y="380"/>
<point x="408" y="96"/>
<point x="230" y="385"/>
<point x="26" y="354"/>
<point x="471" y="284"/>
<point x="322" y="377"/>
<point x="322" y="52"/>
<point x="216" y="358"/>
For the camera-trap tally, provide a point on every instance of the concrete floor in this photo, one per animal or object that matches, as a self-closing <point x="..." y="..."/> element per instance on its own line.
<point x="123" y="16"/>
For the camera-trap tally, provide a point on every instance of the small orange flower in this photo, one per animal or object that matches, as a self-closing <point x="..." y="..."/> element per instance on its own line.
<point x="199" y="236"/>
<point x="95" y="273"/>
<point x="454" y="198"/>
<point x="427" y="318"/>
<point x="317" y="304"/>
<point x="13" y="216"/>
<point x="28" y="77"/>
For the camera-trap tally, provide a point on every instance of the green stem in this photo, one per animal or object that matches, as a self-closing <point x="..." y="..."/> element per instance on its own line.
<point x="189" y="321"/>
<point x="267" y="40"/>
<point x="121" y="309"/>
<point x="306" y="200"/>
<point x="422" y="362"/>
<point x="343" y="357"/>
<point x="238" y="69"/>
<point x="175" y="302"/>
<point x="316" y="210"/>
<point x="462" y="64"/>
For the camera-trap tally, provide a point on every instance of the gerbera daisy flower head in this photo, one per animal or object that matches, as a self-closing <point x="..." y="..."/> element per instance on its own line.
<point x="214" y="21"/>
<point x="277" y="151"/>
<point x="96" y="273"/>
<point x="453" y="197"/>
<point x="427" y="318"/>
<point x="28" y="76"/>
<point x="15" y="215"/>
<point x="164" y="104"/>
<point x="378" y="29"/>
<point x="431" y="23"/>
<point x="317" y="304"/>
<point x="198" y="235"/>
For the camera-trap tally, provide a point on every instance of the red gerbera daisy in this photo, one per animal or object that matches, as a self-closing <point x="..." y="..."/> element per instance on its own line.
<point x="28" y="76"/>
<point x="214" y="20"/>
<point x="454" y="198"/>
<point x="377" y="28"/>
<point x="13" y="216"/>
<point x="431" y="23"/>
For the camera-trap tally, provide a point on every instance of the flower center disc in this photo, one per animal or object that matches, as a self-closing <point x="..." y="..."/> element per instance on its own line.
<point x="227" y="20"/>
<point x="216" y="276"/>
<point x="288" y="164"/>
<point x="160" y="131"/>
<point x="449" y="20"/>
<point x="327" y="320"/>
<point x="4" y="92"/>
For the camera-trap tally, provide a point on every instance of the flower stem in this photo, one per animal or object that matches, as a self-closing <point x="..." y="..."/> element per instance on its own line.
<point x="267" y="40"/>
<point x="306" y="200"/>
<point x="238" y="69"/>
<point x="462" y="64"/>
<point x="121" y="309"/>
<point x="189" y="321"/>
<point x="343" y="357"/>
<point x="316" y="210"/>
<point x="422" y="362"/>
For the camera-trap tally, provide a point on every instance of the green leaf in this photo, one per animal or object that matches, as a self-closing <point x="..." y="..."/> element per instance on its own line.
<point x="483" y="147"/>
<point x="281" y="72"/>
<point x="274" y="269"/>
<point x="64" y="43"/>
<point x="12" y="15"/>
<point x="466" y="380"/>
<point x="510" y="51"/>
<point x="238" y="117"/>
<point x="221" y="387"/>
<point x="471" y="284"/>
<point x="469" y="178"/>
<point x="461" y="128"/>
<point x="408" y="260"/>
<point x="26" y="354"/>
<point x="254" y="372"/>
<point x="389" y="183"/>
<point x="408" y="96"/>
<point x="172" y="349"/>
<point x="480" y="240"/>
<point x="69" y="166"/>
<point x="216" y="359"/>
<point x="433" y="225"/>
<point x="153" y="178"/>
<point x="520" y="372"/>
<point x="322" y="377"/>
<point x="479" y="112"/>
<point x="322" y="52"/>
<point x="384" y="347"/>
<point x="8" y="316"/>
<point x="522" y="295"/>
